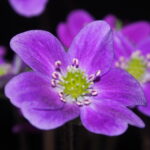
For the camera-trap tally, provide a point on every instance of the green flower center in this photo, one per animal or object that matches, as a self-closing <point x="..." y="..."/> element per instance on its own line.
<point x="75" y="83"/>
<point x="2" y="71"/>
<point x="136" y="67"/>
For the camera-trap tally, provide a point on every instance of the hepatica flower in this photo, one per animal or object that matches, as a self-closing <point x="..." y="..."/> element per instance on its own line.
<point x="76" y="20"/>
<point x="28" y="8"/>
<point x="64" y="86"/>
<point x="136" y="60"/>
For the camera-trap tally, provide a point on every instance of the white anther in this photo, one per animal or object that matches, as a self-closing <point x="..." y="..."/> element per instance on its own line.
<point x="117" y="64"/>
<point x="87" y="102"/>
<point x="62" y="99"/>
<point x="148" y="56"/>
<point x="55" y="75"/>
<point x="58" y="63"/>
<point x="121" y="58"/>
<point x="94" y="93"/>
<point x="75" y="62"/>
<point x="98" y="73"/>
<point x="136" y="53"/>
<point x="61" y="94"/>
<point x="148" y="64"/>
<point x="79" y="103"/>
<point x="91" y="77"/>
<point x="53" y="83"/>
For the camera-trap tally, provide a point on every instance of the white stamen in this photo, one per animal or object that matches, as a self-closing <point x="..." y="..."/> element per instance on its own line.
<point x="148" y="56"/>
<point x="121" y="59"/>
<point x="94" y="93"/>
<point x="61" y="94"/>
<point x="53" y="83"/>
<point x="87" y="102"/>
<point x="91" y="77"/>
<point x="55" y="75"/>
<point x="117" y="64"/>
<point x="58" y="63"/>
<point x="98" y="73"/>
<point x="79" y="103"/>
<point x="62" y="99"/>
<point x="75" y="62"/>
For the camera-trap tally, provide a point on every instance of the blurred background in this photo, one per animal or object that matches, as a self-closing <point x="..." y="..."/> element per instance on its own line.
<point x="15" y="132"/>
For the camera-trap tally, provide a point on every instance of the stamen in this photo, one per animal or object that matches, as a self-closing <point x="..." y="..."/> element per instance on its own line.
<point x="117" y="64"/>
<point x="91" y="77"/>
<point x="62" y="99"/>
<point x="55" y="75"/>
<point x="148" y="56"/>
<point x="61" y="94"/>
<point x="87" y="102"/>
<point x="75" y="62"/>
<point x="79" y="103"/>
<point x="94" y="92"/>
<point x="98" y="73"/>
<point x="53" y="83"/>
<point x="58" y="64"/>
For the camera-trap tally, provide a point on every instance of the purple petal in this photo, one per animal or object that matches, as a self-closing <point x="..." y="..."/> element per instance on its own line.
<point x="50" y="119"/>
<point x="122" y="46"/>
<point x="118" y="85"/>
<point x="108" y="117"/>
<point x="28" y="8"/>
<point x="146" y="109"/>
<point x="64" y="34"/>
<point x="93" y="46"/>
<point x="144" y="46"/>
<point x="39" y="49"/>
<point x="33" y="89"/>
<point x="111" y="20"/>
<point x="77" y="20"/>
<point x="137" y="32"/>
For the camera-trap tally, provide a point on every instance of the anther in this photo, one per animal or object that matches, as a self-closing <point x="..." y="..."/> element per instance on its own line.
<point x="94" y="93"/>
<point x="98" y="73"/>
<point x="75" y="62"/>
<point x="61" y="94"/>
<point x="91" y="77"/>
<point x="62" y="99"/>
<point x="87" y="102"/>
<point x="53" y="83"/>
<point x="117" y="64"/>
<point x="55" y="75"/>
<point x="58" y="63"/>
<point x="148" y="56"/>
<point x="79" y="103"/>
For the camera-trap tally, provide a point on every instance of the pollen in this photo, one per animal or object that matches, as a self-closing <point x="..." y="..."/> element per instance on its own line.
<point x="136" y="67"/>
<point x="75" y="83"/>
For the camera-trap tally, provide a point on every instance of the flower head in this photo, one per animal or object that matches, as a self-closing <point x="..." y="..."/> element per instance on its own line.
<point x="76" y="20"/>
<point x="135" y="58"/>
<point x="28" y="8"/>
<point x="64" y="85"/>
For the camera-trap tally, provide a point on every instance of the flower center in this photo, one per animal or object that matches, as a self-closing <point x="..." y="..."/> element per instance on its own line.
<point x="74" y="85"/>
<point x="137" y="65"/>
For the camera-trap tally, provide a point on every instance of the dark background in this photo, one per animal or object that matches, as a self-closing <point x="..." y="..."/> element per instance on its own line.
<point x="29" y="138"/>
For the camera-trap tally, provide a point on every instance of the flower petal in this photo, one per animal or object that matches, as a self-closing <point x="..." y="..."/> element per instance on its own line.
<point x="111" y="20"/>
<point x="50" y="119"/>
<point x="122" y="46"/>
<point x="77" y="19"/>
<point x="108" y="118"/>
<point x="33" y="89"/>
<point x="39" y="49"/>
<point x="144" y="46"/>
<point x="146" y="109"/>
<point x="118" y="85"/>
<point x="64" y="34"/>
<point x="137" y="32"/>
<point x="28" y="8"/>
<point x="93" y="46"/>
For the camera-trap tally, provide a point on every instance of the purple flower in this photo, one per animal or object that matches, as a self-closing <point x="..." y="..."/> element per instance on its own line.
<point x="136" y="32"/>
<point x="7" y="69"/>
<point x="76" y="20"/>
<point x="64" y="86"/>
<point x="28" y="8"/>
<point x="135" y="58"/>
